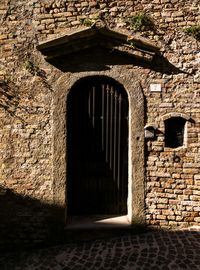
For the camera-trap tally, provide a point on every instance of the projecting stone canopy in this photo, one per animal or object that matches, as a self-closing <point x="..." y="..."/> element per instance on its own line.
<point x="97" y="45"/>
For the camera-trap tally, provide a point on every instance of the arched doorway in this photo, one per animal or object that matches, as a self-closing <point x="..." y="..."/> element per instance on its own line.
<point x="97" y="140"/>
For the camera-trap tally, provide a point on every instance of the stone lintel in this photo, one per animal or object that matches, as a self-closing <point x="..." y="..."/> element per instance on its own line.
<point x="97" y="37"/>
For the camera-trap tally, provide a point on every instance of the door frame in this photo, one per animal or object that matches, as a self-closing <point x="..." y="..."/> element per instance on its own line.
<point x="136" y="169"/>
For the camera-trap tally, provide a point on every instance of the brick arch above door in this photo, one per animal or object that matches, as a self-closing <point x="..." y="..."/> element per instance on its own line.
<point x="131" y="84"/>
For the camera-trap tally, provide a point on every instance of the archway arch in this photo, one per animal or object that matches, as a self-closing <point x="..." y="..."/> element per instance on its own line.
<point x="129" y="81"/>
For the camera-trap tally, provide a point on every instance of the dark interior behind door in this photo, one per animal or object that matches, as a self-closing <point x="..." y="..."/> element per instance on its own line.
<point x="97" y="152"/>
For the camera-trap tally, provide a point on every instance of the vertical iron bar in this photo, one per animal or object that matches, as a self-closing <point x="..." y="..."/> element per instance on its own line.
<point x="83" y="121"/>
<point x="115" y="199"/>
<point x="93" y="123"/>
<point x="107" y="141"/>
<point x="102" y="117"/>
<point x="107" y="122"/>
<point x="115" y="136"/>
<point x="101" y="180"/>
<point x="111" y="128"/>
<point x="89" y="105"/>
<point x="111" y="144"/>
<point x="119" y="144"/>
<point x="89" y="135"/>
<point x="93" y="106"/>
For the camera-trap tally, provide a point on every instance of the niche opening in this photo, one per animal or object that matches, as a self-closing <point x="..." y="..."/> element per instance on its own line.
<point x="175" y="132"/>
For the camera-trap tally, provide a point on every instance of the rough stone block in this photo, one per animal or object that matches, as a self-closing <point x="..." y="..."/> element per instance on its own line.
<point x="162" y="217"/>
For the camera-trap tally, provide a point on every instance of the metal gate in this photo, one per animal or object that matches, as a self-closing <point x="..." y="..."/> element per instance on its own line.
<point x="97" y="118"/>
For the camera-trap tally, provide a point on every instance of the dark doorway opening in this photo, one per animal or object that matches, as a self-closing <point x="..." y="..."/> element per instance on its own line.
<point x="97" y="147"/>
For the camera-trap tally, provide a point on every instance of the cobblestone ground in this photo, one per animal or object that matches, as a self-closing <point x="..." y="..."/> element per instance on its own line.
<point x="152" y="250"/>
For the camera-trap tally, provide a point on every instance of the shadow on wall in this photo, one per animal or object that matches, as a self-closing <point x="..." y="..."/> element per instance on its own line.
<point x="99" y="59"/>
<point x="27" y="222"/>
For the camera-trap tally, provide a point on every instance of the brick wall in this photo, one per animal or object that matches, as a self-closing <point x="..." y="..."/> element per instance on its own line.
<point x="26" y="85"/>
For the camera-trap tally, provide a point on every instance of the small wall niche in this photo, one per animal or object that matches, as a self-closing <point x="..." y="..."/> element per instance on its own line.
<point x="175" y="128"/>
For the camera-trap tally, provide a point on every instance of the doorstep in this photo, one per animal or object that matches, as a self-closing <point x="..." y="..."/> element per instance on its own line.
<point x="98" y="222"/>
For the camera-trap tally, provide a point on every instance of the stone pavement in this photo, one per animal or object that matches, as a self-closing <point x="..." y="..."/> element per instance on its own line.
<point x="175" y="250"/>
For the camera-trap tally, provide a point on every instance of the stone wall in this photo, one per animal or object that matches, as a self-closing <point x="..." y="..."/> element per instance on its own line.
<point x="27" y="85"/>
